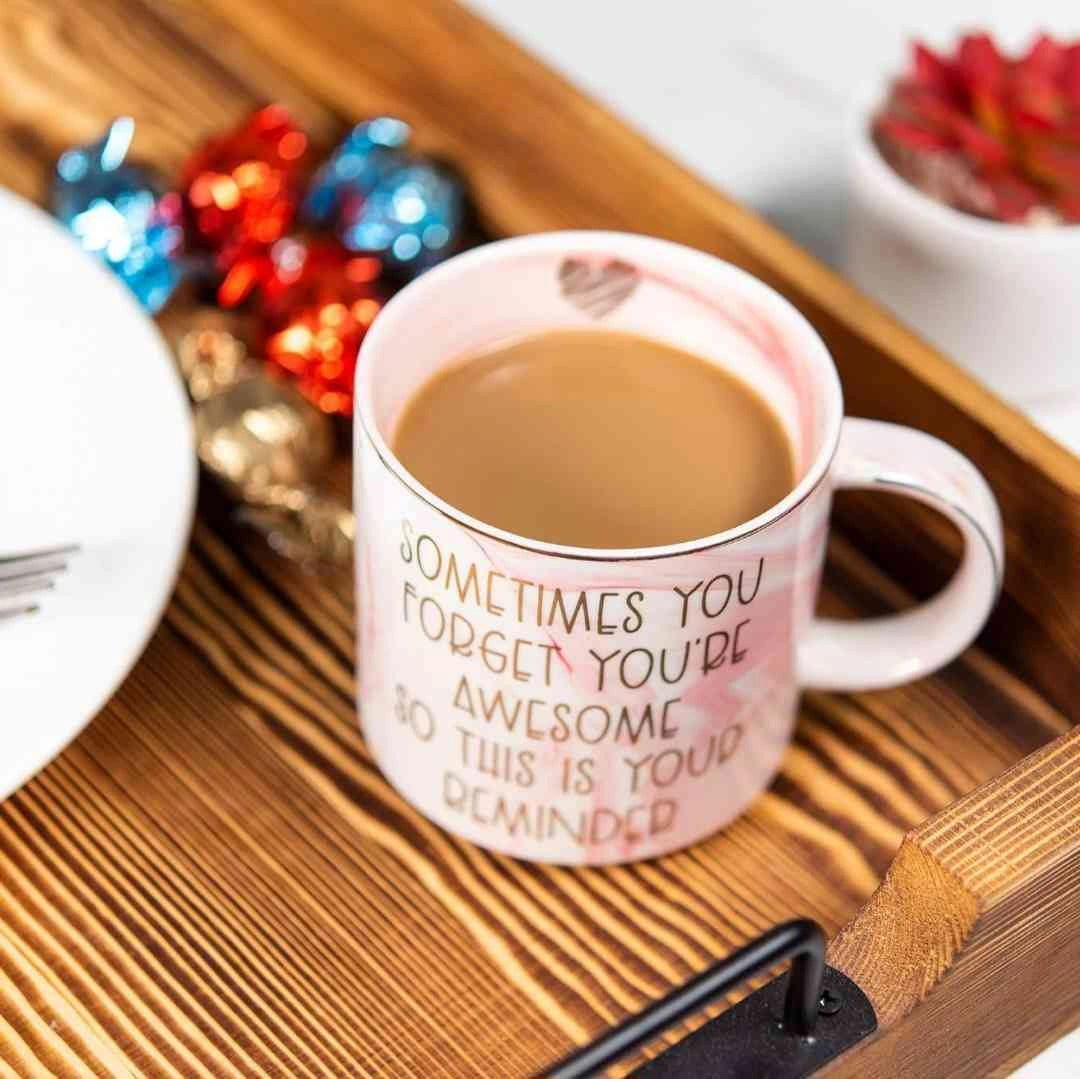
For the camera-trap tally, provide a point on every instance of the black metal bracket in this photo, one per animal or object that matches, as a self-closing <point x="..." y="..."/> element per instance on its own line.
<point x="775" y="1033"/>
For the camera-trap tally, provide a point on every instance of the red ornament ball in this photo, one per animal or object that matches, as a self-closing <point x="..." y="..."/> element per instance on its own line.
<point x="317" y="303"/>
<point x="241" y="189"/>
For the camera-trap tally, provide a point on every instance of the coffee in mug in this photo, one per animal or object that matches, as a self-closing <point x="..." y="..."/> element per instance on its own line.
<point x="596" y="438"/>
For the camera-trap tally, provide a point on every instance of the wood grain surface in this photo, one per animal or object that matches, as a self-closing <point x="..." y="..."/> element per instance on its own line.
<point x="996" y="879"/>
<point x="214" y="880"/>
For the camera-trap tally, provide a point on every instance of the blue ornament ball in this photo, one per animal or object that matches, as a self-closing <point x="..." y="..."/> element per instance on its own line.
<point x="412" y="218"/>
<point x="363" y="158"/>
<point x="118" y="213"/>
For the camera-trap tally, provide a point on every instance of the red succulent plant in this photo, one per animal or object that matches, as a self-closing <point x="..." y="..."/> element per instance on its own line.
<point x="987" y="134"/>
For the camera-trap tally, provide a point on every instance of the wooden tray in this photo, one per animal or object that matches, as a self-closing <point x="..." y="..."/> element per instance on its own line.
<point x="215" y="880"/>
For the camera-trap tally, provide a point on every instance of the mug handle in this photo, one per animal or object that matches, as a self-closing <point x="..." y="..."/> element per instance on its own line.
<point x="875" y="653"/>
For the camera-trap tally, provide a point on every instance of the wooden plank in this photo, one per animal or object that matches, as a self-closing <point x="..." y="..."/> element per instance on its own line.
<point x="214" y="880"/>
<point x="69" y="68"/>
<point x="974" y="925"/>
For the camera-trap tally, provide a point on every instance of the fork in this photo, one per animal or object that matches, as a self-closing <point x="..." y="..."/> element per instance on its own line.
<point x="28" y="572"/>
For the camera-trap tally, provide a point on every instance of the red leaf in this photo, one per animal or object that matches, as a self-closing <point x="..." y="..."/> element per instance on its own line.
<point x="912" y="136"/>
<point x="1054" y="164"/>
<point x="1036" y="93"/>
<point x="982" y="72"/>
<point x="1068" y="205"/>
<point x="979" y="65"/>
<point x="1013" y="198"/>
<point x="1045" y="58"/>
<point x="927" y="109"/>
<point x="980" y="146"/>
<point x="923" y="105"/>
<point x="1070" y="76"/>
<point x="1068" y="131"/>
<point x="931" y="70"/>
<point x="1029" y="124"/>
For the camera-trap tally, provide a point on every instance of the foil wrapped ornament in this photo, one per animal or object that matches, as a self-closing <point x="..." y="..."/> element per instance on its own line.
<point x="211" y="358"/>
<point x="412" y="218"/>
<point x="120" y="213"/>
<point x="370" y="151"/>
<point x="313" y="529"/>
<point x="241" y="190"/>
<point x="268" y="446"/>
<point x="316" y="306"/>
<point x="382" y="201"/>
<point x="262" y="439"/>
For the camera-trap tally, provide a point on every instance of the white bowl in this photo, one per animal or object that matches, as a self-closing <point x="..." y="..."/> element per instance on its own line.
<point x="1002" y="300"/>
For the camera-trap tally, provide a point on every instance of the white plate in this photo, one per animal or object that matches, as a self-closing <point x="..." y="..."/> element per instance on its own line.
<point x="95" y="448"/>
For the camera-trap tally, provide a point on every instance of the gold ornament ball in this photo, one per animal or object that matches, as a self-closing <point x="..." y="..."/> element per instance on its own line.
<point x="262" y="438"/>
<point x="211" y="359"/>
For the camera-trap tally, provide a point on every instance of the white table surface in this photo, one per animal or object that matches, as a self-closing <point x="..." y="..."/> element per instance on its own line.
<point x="752" y="96"/>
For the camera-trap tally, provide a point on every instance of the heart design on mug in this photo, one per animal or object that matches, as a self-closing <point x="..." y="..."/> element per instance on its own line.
<point x="597" y="290"/>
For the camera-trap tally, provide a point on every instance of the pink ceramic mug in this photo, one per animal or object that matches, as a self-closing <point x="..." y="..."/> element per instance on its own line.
<point x="586" y="706"/>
